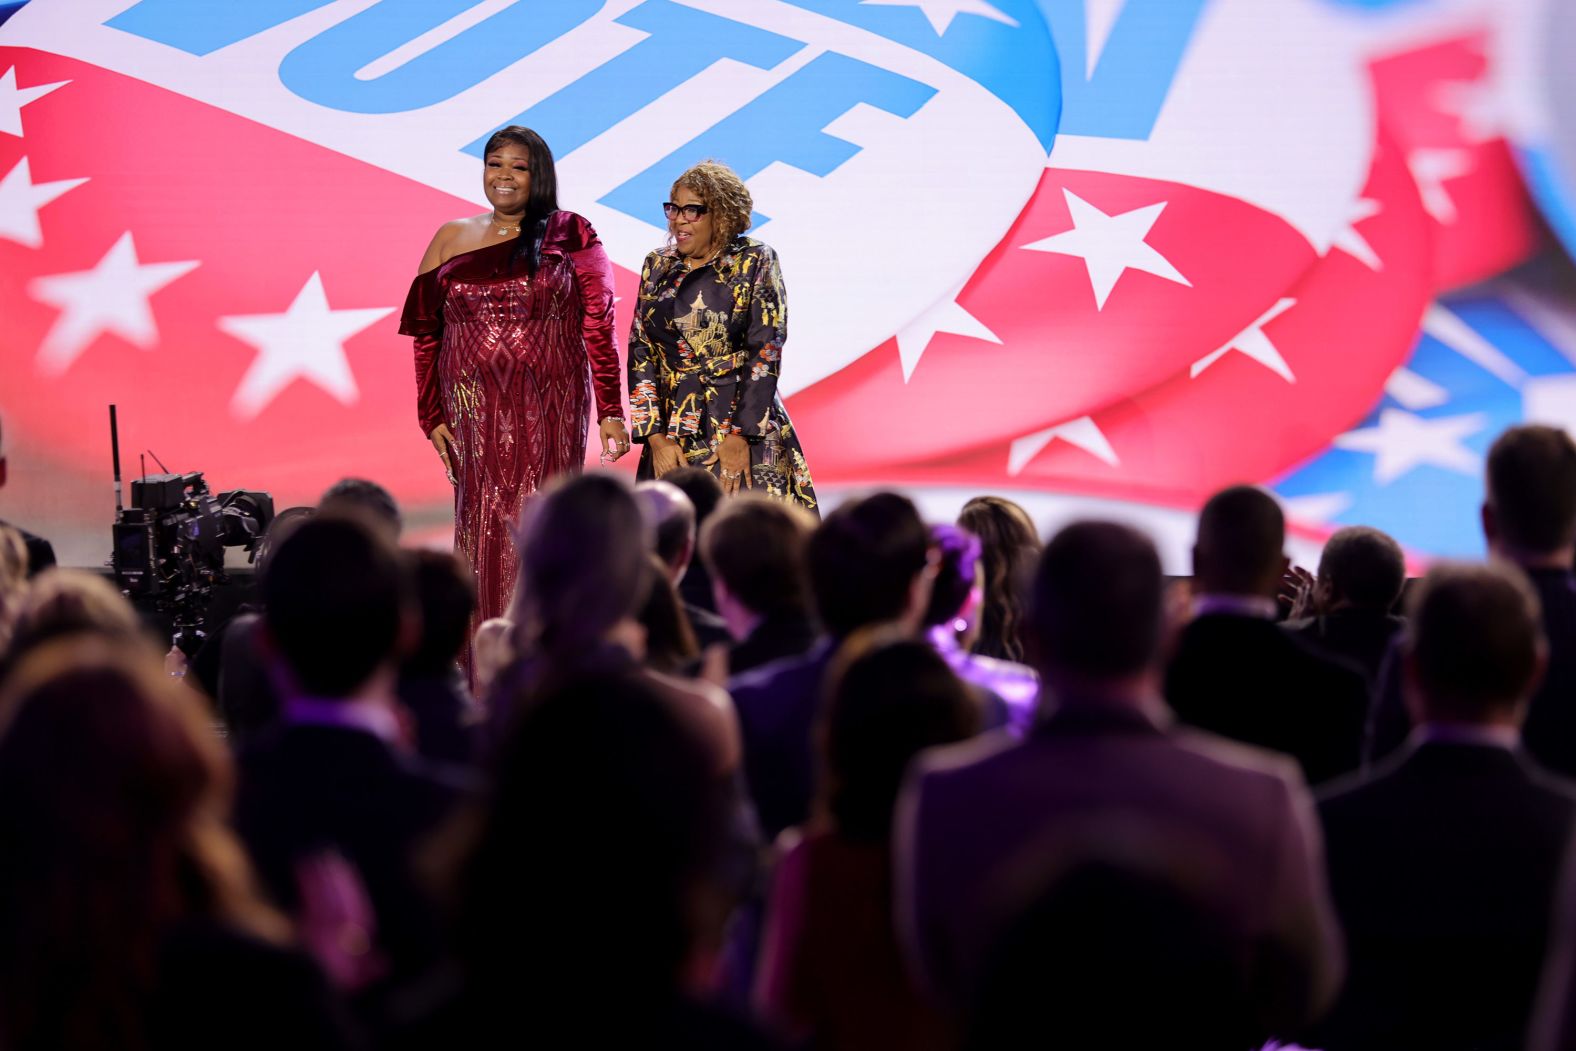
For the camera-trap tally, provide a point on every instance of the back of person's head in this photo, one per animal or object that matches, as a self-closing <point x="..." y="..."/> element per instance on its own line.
<point x="582" y="565"/>
<point x="284" y="523"/>
<point x="888" y="698"/>
<point x="360" y="496"/>
<point x="1474" y="642"/>
<point x="756" y="548"/>
<point x="1098" y="602"/>
<point x="1530" y="507"/>
<point x="1362" y="568"/>
<point x="492" y="648"/>
<point x="1241" y="541"/>
<point x="62" y="602"/>
<point x="338" y="605"/>
<point x="113" y="796"/>
<point x="1127" y="952"/>
<point x="957" y="572"/>
<point x="446" y="595"/>
<point x="670" y="638"/>
<point x="601" y="774"/>
<point x="866" y="561"/>
<point x="1009" y="547"/>
<point x="701" y="486"/>
<point x="671" y="518"/>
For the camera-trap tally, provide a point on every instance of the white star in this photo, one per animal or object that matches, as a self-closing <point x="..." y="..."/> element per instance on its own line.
<point x="1465" y="340"/>
<point x="112" y="297"/>
<point x="1255" y="344"/>
<point x="1432" y="169"/>
<point x="305" y="342"/>
<point x="1110" y="245"/>
<point x="1402" y="441"/>
<point x="13" y="98"/>
<point x="1415" y="392"/>
<point x="1475" y="105"/>
<point x="1315" y="508"/>
<point x="946" y="316"/>
<point x="1083" y="433"/>
<point x="20" y="200"/>
<point x="940" y="13"/>
<point x="1355" y="244"/>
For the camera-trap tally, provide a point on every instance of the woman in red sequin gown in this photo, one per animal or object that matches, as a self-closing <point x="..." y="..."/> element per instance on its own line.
<point x="512" y="314"/>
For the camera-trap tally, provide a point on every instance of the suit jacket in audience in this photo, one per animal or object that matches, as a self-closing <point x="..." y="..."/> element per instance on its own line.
<point x="709" y="628"/>
<point x="248" y="702"/>
<point x="305" y="789"/>
<point x="40" y="552"/>
<point x="975" y="816"/>
<point x="1549" y="734"/>
<point x="775" y="637"/>
<point x="1443" y="866"/>
<point x="1360" y="637"/>
<point x="777" y="705"/>
<point x="448" y="723"/>
<point x="695" y="587"/>
<point x="1243" y="677"/>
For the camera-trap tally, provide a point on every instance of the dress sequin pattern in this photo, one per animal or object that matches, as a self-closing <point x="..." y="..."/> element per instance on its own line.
<point x="510" y="362"/>
<point x="705" y="351"/>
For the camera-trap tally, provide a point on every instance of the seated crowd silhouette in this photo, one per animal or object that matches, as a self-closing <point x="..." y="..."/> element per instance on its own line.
<point x="728" y="777"/>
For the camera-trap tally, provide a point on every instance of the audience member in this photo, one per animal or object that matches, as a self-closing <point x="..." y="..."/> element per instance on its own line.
<point x="369" y="500"/>
<point x="869" y="564"/>
<point x="1122" y="947"/>
<point x="584" y="564"/>
<point x="40" y="552"/>
<point x="1235" y="672"/>
<point x="232" y="667"/>
<point x="334" y="776"/>
<point x="1102" y="752"/>
<point x="492" y="648"/>
<point x="1443" y="861"/>
<point x="60" y="602"/>
<point x="952" y="625"/>
<point x="1529" y="521"/>
<point x="1361" y="574"/>
<point x="1009" y="546"/>
<point x="705" y="493"/>
<point x="754" y="550"/>
<point x="431" y="686"/>
<point x="670" y="640"/>
<point x="127" y="914"/>
<point x="830" y="967"/>
<point x="586" y="899"/>
<point x="672" y="519"/>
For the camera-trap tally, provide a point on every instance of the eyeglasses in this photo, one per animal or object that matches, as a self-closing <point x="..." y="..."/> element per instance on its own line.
<point x="688" y="211"/>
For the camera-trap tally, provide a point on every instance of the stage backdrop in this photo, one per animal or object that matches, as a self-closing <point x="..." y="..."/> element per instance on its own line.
<point x="1100" y="255"/>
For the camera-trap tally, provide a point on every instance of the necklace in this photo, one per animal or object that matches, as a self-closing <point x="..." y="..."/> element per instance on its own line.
<point x="503" y="227"/>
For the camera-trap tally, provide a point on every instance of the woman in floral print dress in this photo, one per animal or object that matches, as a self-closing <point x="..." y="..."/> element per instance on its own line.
<point x="706" y="347"/>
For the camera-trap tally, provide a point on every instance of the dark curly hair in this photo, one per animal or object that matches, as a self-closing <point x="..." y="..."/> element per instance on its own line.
<point x="727" y="199"/>
<point x="1010" y="547"/>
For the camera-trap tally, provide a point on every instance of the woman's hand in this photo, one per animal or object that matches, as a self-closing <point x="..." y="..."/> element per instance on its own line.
<point x="615" y="439"/>
<point x="665" y="454"/>
<point x="442" y="438"/>
<point x="734" y="455"/>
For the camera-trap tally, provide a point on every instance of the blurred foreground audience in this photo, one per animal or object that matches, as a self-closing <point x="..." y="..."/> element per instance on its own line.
<point x="1443" y="860"/>
<point x="1104" y="750"/>
<point x="128" y="914"/>
<point x="755" y="549"/>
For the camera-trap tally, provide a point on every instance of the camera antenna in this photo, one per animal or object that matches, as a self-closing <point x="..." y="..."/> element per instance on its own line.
<point x="158" y="461"/>
<point x="114" y="452"/>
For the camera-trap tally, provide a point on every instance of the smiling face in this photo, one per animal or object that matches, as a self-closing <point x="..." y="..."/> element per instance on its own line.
<point x="506" y="178"/>
<point x="693" y="237"/>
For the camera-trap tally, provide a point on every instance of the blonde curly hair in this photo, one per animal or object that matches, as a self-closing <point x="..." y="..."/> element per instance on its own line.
<point x="727" y="199"/>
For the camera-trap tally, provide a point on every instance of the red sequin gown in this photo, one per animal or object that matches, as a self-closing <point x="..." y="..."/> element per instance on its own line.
<point x="511" y="364"/>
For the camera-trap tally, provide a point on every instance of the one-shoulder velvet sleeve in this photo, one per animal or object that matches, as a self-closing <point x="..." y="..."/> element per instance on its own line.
<point x="594" y="274"/>
<point x="423" y="319"/>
